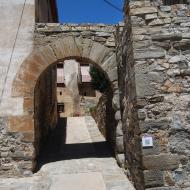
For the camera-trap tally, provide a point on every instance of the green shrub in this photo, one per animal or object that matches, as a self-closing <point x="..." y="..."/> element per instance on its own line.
<point x="99" y="81"/>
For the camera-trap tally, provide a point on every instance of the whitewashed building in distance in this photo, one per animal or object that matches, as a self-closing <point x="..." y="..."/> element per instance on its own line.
<point x="73" y="87"/>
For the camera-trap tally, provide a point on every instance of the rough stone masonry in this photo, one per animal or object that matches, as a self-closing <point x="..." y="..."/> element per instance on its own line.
<point x="97" y="42"/>
<point x="153" y="79"/>
<point x="154" y="54"/>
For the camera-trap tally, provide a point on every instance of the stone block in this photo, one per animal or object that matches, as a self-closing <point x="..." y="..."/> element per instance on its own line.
<point x="186" y="35"/>
<point x="20" y="89"/>
<point x="149" y="54"/>
<point x="4" y="154"/>
<point x="110" y="43"/>
<point x="162" y="161"/>
<point x="142" y="44"/>
<point x="109" y="63"/>
<point x="58" y="49"/>
<point x="156" y="77"/>
<point x="116" y="102"/>
<point x="157" y="22"/>
<point x="175" y="88"/>
<point x="143" y="86"/>
<point x="178" y="20"/>
<point x="119" y="130"/>
<point x="118" y="115"/>
<point x="161" y="124"/>
<point x="35" y="63"/>
<point x="153" y="178"/>
<point x="102" y="34"/>
<point x="47" y="53"/>
<point x="98" y="53"/>
<point x="164" y="44"/>
<point x="22" y="155"/>
<point x="185" y="72"/>
<point x="156" y="99"/>
<point x="164" y="14"/>
<point x="151" y="16"/>
<point x="87" y="45"/>
<point x="120" y="159"/>
<point x="138" y="21"/>
<point x="164" y="37"/>
<point x="164" y="188"/>
<point x="182" y="45"/>
<point x="177" y="59"/>
<point x="112" y="74"/>
<point x="165" y="8"/>
<point x="20" y="124"/>
<point x="67" y="47"/>
<point x="28" y="136"/>
<point x="139" y="31"/>
<point x="119" y="144"/>
<point x="141" y="114"/>
<point x="28" y="105"/>
<point x="28" y="79"/>
<point x="141" y="103"/>
<point x="143" y="10"/>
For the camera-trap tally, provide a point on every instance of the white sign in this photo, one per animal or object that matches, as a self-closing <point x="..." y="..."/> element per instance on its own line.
<point x="147" y="141"/>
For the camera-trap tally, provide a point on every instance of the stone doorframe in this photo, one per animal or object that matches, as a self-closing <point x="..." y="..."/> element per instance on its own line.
<point x="37" y="62"/>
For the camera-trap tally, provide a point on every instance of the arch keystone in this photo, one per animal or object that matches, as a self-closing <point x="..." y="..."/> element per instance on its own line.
<point x="67" y="47"/>
<point x="86" y="47"/>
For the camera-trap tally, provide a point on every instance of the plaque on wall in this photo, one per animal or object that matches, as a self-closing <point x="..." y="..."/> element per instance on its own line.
<point x="147" y="141"/>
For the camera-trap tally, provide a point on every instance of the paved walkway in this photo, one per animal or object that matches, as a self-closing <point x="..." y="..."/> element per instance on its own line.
<point x="86" y="162"/>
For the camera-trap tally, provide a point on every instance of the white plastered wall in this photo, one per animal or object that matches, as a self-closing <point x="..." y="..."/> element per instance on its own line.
<point x="16" y="43"/>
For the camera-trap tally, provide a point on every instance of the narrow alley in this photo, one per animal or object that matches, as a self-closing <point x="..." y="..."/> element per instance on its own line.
<point x="76" y="157"/>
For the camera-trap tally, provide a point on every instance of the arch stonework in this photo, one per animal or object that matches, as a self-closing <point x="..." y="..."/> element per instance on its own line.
<point x="37" y="62"/>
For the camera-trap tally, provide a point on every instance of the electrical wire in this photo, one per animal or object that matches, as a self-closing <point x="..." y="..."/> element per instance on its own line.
<point x="10" y="61"/>
<point x="113" y="6"/>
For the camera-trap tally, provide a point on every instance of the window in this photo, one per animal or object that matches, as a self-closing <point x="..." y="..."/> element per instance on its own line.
<point x="60" y="107"/>
<point x="172" y="2"/>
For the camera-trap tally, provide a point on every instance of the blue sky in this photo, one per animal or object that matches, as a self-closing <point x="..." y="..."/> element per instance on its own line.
<point x="89" y="11"/>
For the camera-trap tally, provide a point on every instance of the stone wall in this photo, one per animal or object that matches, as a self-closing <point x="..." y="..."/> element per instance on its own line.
<point x="53" y="43"/>
<point x="105" y="35"/>
<point x="45" y="117"/>
<point x="104" y="116"/>
<point x="99" y="114"/>
<point x="46" y="33"/>
<point x="159" y="107"/>
<point x="16" y="153"/>
<point x="127" y="91"/>
<point x="16" y="149"/>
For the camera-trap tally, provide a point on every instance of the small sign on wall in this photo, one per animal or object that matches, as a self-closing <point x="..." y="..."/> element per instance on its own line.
<point x="147" y="141"/>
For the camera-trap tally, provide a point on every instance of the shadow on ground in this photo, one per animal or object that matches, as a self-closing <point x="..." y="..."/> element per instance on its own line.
<point x="56" y="149"/>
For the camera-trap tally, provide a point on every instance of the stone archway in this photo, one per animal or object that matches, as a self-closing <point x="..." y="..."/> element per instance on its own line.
<point x="31" y="69"/>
